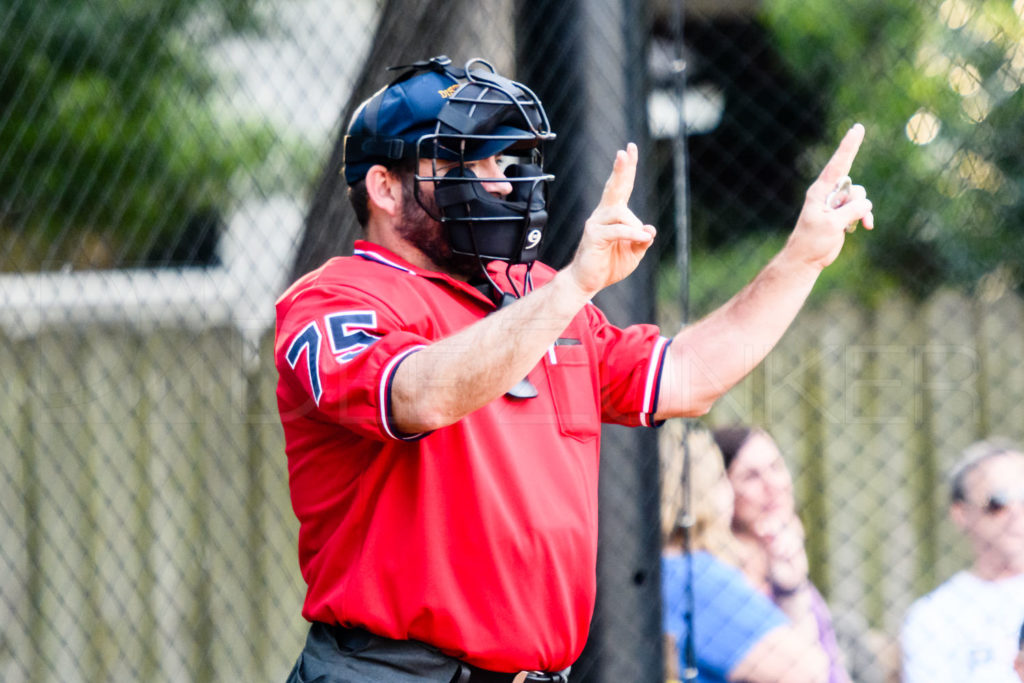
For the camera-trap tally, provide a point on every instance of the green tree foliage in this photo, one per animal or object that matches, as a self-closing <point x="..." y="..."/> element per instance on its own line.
<point x="108" y="141"/>
<point x="938" y="86"/>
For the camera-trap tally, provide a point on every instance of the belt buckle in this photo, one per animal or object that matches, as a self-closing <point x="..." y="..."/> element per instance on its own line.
<point x="528" y="676"/>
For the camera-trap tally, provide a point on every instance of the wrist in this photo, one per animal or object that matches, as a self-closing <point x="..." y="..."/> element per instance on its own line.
<point x="792" y="262"/>
<point x="570" y="288"/>
<point x="781" y="592"/>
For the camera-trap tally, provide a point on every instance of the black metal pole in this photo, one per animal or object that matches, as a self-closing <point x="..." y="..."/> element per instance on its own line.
<point x="586" y="59"/>
<point x="681" y="197"/>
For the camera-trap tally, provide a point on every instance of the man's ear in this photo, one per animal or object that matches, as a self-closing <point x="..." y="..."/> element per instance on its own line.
<point x="384" y="190"/>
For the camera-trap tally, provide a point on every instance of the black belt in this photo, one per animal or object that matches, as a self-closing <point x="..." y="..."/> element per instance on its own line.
<point x="472" y="674"/>
<point x="359" y="639"/>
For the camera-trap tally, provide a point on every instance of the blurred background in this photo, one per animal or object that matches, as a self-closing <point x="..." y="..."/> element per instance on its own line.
<point x="167" y="167"/>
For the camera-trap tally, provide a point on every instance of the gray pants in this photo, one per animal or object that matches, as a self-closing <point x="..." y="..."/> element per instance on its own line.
<point x="337" y="655"/>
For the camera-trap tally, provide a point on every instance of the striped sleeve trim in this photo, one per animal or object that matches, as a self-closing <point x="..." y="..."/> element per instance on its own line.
<point x="384" y="398"/>
<point x="653" y="384"/>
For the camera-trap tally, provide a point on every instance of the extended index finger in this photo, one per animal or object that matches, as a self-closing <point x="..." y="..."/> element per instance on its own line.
<point x="842" y="159"/>
<point x="619" y="185"/>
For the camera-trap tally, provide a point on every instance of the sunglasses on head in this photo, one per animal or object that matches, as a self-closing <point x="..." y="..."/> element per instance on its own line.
<point x="1000" y="500"/>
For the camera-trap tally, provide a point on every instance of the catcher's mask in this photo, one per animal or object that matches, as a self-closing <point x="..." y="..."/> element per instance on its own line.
<point x="452" y="116"/>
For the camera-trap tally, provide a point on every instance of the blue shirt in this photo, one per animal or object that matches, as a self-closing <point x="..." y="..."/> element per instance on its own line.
<point x="729" y="614"/>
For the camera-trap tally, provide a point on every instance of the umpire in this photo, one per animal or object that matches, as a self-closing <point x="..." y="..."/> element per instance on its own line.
<point x="442" y="391"/>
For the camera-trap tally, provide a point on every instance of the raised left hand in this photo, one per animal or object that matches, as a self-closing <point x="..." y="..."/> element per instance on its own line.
<point x="821" y="229"/>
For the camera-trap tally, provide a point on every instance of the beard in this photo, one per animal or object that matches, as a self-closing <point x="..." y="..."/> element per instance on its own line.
<point x="429" y="236"/>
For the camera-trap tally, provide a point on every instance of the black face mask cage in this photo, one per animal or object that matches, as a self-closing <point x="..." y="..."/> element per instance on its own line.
<point x="481" y="224"/>
<point x="488" y="112"/>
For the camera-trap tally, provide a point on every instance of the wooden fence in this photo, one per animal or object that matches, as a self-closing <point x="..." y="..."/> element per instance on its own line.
<point x="146" y="533"/>
<point x="871" y="409"/>
<point x="145" y="527"/>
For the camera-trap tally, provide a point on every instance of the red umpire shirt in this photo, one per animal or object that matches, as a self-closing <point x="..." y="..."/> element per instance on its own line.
<point x="479" y="538"/>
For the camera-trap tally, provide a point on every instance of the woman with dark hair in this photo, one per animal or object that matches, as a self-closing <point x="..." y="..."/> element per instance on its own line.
<point x="769" y="533"/>
<point x="737" y="633"/>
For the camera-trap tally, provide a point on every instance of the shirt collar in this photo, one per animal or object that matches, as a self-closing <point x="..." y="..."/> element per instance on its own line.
<point x="371" y="251"/>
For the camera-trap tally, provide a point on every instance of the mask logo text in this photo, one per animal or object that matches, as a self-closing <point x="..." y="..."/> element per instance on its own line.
<point x="532" y="238"/>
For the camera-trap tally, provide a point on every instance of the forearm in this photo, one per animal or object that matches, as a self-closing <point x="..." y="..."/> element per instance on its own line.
<point x="445" y="381"/>
<point x="708" y="358"/>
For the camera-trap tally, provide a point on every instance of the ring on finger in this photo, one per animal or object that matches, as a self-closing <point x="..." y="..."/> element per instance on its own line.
<point x="839" y="195"/>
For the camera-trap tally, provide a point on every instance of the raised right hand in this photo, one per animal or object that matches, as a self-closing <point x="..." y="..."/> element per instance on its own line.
<point x="614" y="240"/>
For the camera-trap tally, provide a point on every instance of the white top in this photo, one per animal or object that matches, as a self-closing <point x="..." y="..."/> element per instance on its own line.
<point x="965" y="631"/>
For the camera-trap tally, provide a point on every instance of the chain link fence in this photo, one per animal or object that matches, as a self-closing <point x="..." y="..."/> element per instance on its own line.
<point x="167" y="167"/>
